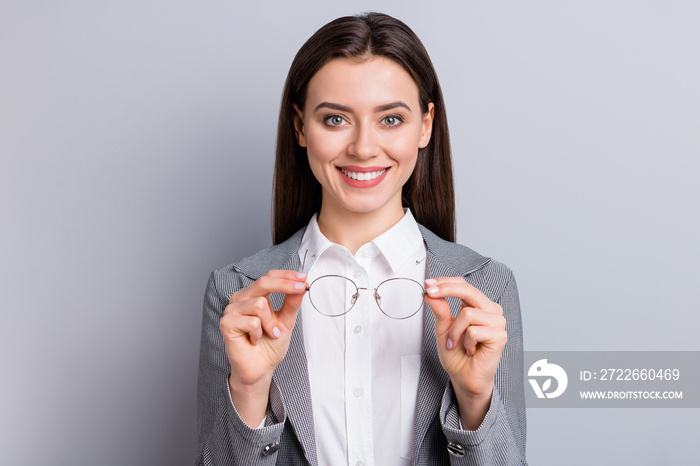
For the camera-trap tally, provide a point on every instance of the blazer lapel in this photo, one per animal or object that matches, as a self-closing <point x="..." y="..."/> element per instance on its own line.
<point x="433" y="379"/>
<point x="442" y="262"/>
<point x="292" y="374"/>
<point x="292" y="377"/>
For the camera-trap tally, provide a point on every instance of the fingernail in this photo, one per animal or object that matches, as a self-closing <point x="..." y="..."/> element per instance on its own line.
<point x="432" y="290"/>
<point x="430" y="281"/>
<point x="299" y="286"/>
<point x="276" y="332"/>
<point x="450" y="345"/>
<point x="300" y="275"/>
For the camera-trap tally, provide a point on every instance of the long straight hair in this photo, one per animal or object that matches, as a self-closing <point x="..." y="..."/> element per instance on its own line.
<point x="429" y="192"/>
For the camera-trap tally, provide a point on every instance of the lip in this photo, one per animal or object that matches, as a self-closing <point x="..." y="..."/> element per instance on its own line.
<point x="363" y="184"/>
<point x="356" y="169"/>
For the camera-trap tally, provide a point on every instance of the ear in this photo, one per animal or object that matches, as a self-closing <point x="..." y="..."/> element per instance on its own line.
<point x="299" y="126"/>
<point x="427" y="130"/>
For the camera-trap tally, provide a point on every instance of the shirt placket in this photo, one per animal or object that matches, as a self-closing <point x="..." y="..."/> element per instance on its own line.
<point x="358" y="371"/>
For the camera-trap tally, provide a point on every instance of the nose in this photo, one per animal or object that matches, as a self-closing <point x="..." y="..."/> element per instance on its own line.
<point x="364" y="144"/>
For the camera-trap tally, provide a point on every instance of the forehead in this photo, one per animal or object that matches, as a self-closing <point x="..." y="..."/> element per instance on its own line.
<point x="371" y="82"/>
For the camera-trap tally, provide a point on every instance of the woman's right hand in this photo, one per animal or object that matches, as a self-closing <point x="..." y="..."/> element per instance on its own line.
<point x="257" y="338"/>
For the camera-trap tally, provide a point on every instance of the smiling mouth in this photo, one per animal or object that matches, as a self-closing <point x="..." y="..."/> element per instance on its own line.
<point x="363" y="176"/>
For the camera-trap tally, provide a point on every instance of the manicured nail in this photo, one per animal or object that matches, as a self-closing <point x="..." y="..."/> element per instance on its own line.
<point x="432" y="290"/>
<point x="430" y="281"/>
<point x="450" y="345"/>
<point x="299" y="286"/>
<point x="300" y="275"/>
<point x="276" y="332"/>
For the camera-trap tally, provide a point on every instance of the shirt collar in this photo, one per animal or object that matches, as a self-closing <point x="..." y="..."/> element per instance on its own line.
<point x="314" y="242"/>
<point x="400" y="242"/>
<point x="397" y="244"/>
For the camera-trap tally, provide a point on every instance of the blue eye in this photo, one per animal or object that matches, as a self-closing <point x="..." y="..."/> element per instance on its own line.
<point x="335" y="120"/>
<point x="392" y="120"/>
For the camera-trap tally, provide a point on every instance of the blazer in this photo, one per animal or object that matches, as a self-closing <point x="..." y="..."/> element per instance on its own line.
<point x="288" y="436"/>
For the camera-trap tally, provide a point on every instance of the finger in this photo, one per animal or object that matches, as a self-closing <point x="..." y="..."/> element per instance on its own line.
<point x="470" y="317"/>
<point x="457" y="287"/>
<point x="492" y="338"/>
<point x="275" y="323"/>
<point x="287" y="315"/>
<point x="275" y="281"/>
<point x="255" y="298"/>
<point x="260" y="308"/>
<point x="443" y="316"/>
<point x="234" y="326"/>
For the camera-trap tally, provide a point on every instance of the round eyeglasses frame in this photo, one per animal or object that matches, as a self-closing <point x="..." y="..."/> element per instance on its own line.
<point x="375" y="294"/>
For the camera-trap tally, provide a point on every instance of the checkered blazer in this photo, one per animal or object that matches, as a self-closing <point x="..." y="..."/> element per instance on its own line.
<point x="288" y="437"/>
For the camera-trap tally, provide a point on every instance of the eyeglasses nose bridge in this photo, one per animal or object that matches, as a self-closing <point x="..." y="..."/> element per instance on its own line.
<point x="376" y="295"/>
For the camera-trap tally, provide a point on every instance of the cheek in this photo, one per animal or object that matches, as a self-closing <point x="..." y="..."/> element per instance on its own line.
<point x="404" y="150"/>
<point x="320" y="153"/>
<point x="402" y="144"/>
<point x="321" y="146"/>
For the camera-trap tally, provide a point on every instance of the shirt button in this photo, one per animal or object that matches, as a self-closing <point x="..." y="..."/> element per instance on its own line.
<point x="360" y="463"/>
<point x="357" y="329"/>
<point x="358" y="392"/>
<point x="357" y="274"/>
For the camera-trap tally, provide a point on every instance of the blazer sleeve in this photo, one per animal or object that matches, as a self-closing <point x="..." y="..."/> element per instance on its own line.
<point x="500" y="439"/>
<point x="223" y="437"/>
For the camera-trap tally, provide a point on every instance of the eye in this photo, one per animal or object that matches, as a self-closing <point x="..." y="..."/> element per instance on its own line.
<point x="392" y="120"/>
<point x="335" y="120"/>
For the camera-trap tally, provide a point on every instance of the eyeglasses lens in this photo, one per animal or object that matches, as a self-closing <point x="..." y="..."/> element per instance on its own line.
<point x="333" y="295"/>
<point x="400" y="298"/>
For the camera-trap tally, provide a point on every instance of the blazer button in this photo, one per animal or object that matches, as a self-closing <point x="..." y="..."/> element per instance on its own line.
<point x="456" y="449"/>
<point x="270" y="448"/>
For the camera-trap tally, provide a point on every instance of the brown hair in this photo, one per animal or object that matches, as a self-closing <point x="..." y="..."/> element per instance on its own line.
<point x="429" y="192"/>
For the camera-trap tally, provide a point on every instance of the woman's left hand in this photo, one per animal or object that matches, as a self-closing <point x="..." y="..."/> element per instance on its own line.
<point x="469" y="345"/>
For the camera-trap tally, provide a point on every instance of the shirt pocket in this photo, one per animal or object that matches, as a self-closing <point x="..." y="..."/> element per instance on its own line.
<point x="410" y="372"/>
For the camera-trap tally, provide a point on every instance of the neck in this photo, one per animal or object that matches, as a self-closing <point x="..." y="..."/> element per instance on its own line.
<point x="353" y="229"/>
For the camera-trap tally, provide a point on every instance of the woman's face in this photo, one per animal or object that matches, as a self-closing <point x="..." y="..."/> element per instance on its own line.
<point x="362" y="127"/>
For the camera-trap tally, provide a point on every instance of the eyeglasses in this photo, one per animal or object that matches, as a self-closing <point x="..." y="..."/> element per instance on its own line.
<point x="325" y="292"/>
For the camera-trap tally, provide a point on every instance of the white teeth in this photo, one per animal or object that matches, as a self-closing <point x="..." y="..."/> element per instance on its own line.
<point x="360" y="176"/>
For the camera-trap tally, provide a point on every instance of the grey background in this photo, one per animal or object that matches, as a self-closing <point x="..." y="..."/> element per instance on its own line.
<point x="136" y="143"/>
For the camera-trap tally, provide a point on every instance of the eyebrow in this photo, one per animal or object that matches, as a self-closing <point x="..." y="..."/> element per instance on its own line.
<point x="380" y="108"/>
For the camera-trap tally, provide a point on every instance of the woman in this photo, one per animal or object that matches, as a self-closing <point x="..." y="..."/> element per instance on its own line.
<point x="314" y="350"/>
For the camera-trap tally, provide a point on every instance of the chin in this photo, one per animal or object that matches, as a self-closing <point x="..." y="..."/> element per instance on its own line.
<point x="364" y="207"/>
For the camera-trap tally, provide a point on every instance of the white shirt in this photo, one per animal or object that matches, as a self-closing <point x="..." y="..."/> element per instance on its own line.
<point x="364" y="366"/>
